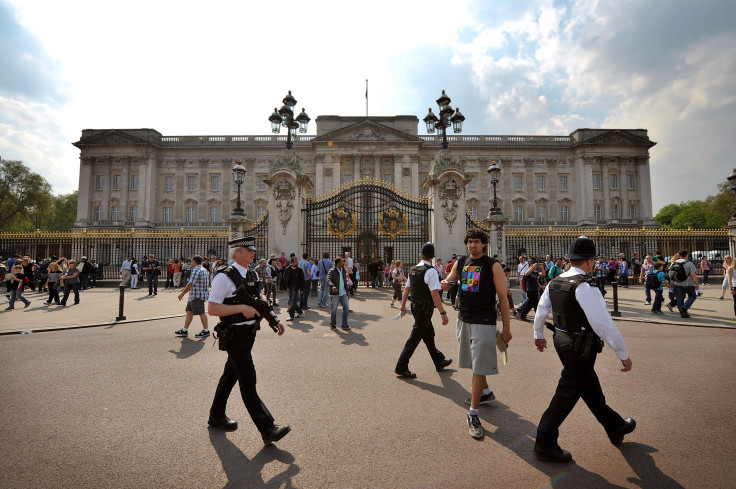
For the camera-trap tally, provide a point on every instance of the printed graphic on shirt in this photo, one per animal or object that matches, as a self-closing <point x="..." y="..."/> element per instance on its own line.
<point x="470" y="278"/>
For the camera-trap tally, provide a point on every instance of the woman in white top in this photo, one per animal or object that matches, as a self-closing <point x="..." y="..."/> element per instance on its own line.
<point x="397" y="278"/>
<point x="727" y="264"/>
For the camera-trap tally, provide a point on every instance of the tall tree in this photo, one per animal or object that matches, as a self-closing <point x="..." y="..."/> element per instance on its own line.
<point x="20" y="191"/>
<point x="713" y="212"/>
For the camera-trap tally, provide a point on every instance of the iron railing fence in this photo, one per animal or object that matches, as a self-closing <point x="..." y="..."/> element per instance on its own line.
<point x="110" y="248"/>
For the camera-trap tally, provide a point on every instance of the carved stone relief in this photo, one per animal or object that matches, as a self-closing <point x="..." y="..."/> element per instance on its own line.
<point x="284" y="194"/>
<point x="288" y="159"/>
<point x="449" y="195"/>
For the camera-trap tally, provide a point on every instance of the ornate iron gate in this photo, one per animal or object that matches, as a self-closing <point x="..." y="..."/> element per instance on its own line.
<point x="369" y="218"/>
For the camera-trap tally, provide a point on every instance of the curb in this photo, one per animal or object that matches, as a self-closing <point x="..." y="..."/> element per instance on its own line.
<point x="80" y="326"/>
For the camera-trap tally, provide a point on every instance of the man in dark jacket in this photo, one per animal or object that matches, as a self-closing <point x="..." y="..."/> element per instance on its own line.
<point x="337" y="279"/>
<point x="294" y="283"/>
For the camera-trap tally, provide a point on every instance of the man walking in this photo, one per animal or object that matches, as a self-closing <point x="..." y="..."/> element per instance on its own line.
<point x="153" y="269"/>
<point x="422" y="288"/>
<point x="242" y="319"/>
<point x="578" y="308"/>
<point x="294" y="283"/>
<point x="198" y="286"/>
<point x="306" y="267"/>
<point x="480" y="278"/>
<point x="683" y="275"/>
<point x="125" y="271"/>
<point x="324" y="266"/>
<point x="337" y="280"/>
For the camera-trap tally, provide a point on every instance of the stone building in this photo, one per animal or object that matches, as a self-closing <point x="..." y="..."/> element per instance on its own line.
<point x="143" y="179"/>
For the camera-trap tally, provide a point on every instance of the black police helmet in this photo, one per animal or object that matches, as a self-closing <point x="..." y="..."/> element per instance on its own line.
<point x="581" y="248"/>
<point x="428" y="250"/>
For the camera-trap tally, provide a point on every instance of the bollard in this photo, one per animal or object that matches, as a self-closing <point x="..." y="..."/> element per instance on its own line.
<point x="122" y="304"/>
<point x="615" y="313"/>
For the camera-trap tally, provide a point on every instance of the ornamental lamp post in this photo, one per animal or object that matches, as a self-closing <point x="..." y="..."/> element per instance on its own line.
<point x="732" y="185"/>
<point x="239" y="177"/>
<point x="285" y="117"/>
<point x="494" y="171"/>
<point x="447" y="116"/>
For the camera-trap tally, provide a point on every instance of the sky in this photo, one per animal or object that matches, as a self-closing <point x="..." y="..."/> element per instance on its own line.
<point x="514" y="67"/>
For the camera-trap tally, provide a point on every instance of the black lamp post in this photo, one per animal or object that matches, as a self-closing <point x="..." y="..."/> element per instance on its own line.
<point x="446" y="118"/>
<point x="285" y="117"/>
<point x="732" y="184"/>
<point x="494" y="171"/>
<point x="239" y="177"/>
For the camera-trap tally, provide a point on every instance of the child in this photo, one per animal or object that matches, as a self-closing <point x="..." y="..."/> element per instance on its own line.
<point x="658" y="297"/>
<point x="397" y="278"/>
<point x="18" y="282"/>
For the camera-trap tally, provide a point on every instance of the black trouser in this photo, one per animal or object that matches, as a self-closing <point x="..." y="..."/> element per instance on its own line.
<point x="452" y="293"/>
<point x="53" y="293"/>
<point x="397" y="291"/>
<point x="152" y="283"/>
<point x="578" y="380"/>
<point x="532" y="297"/>
<point x="421" y="331"/>
<point x="71" y="288"/>
<point x="239" y="368"/>
<point x="169" y="280"/>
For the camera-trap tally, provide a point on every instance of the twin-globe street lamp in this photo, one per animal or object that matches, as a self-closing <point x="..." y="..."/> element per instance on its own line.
<point x="448" y="116"/>
<point x="285" y="117"/>
<point x="239" y="177"/>
<point x="494" y="171"/>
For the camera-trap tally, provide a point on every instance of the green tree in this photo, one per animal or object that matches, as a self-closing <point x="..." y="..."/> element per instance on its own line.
<point x="666" y="214"/>
<point x="20" y="190"/>
<point x="64" y="212"/>
<point x="713" y="212"/>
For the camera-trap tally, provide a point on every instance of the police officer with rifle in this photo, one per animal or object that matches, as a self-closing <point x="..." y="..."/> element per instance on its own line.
<point x="581" y="324"/>
<point x="234" y="299"/>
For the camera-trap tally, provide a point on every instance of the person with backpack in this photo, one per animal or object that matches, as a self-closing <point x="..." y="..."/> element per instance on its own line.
<point x="324" y="266"/>
<point x="682" y="273"/>
<point x="655" y="281"/>
<point x="555" y="269"/>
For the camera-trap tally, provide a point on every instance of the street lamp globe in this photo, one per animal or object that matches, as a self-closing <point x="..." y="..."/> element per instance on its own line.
<point x="239" y="173"/>
<point x="276" y="120"/>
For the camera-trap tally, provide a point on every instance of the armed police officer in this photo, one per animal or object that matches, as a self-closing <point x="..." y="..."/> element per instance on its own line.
<point x="232" y="298"/>
<point x="423" y="289"/>
<point x="581" y="325"/>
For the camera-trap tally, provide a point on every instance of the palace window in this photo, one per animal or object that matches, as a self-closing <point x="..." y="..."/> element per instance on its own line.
<point x="214" y="182"/>
<point x="115" y="214"/>
<point x="518" y="162"/>
<point x="597" y="212"/>
<point x="134" y="181"/>
<point x="562" y="162"/>
<point x="190" y="214"/>
<point x="170" y="163"/>
<point x="596" y="181"/>
<point x="630" y="181"/>
<point x="388" y="178"/>
<point x="215" y="213"/>
<point x="261" y="162"/>
<point x="168" y="183"/>
<point x="215" y="163"/>
<point x="540" y="182"/>
<point x="167" y="214"/>
<point x="473" y="184"/>
<point x="613" y="180"/>
<point x="517" y="182"/>
<point x="347" y="179"/>
<point x="539" y="162"/>
<point x="563" y="182"/>
<point x="542" y="213"/>
<point x="116" y="182"/>
<point x="261" y="183"/>
<point x="519" y="212"/>
<point x="193" y="163"/>
<point x="472" y="162"/>
<point x="614" y="212"/>
<point x="99" y="182"/>
<point x="191" y="182"/>
<point x="632" y="211"/>
<point x="133" y="213"/>
<point x="96" y="213"/>
<point x="308" y="162"/>
<point x="473" y="211"/>
<point x="260" y="211"/>
<point x="564" y="214"/>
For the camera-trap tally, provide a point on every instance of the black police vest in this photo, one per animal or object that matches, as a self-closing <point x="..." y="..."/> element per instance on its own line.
<point x="248" y="287"/>
<point x="419" y="291"/>
<point x="567" y="314"/>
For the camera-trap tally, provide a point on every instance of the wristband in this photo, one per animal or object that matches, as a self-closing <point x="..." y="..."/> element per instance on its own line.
<point x="443" y="313"/>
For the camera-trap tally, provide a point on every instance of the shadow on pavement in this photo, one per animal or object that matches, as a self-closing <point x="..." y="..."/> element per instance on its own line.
<point x="242" y="472"/>
<point x="638" y="457"/>
<point x="189" y="348"/>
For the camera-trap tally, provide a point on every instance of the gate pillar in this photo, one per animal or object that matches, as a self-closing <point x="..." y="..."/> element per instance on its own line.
<point x="287" y="198"/>
<point x="445" y="187"/>
<point x="496" y="226"/>
<point x="236" y="226"/>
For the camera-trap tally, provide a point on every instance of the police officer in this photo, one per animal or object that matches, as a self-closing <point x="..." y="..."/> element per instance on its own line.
<point x="423" y="287"/>
<point x="243" y="318"/>
<point x="581" y="321"/>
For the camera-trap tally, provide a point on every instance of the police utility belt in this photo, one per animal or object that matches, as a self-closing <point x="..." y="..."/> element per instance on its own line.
<point x="585" y="342"/>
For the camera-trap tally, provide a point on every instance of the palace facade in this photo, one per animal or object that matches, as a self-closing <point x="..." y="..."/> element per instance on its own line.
<point x="140" y="178"/>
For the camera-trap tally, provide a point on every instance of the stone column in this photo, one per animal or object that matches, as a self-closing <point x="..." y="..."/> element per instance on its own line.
<point x="288" y="187"/>
<point x="237" y="225"/>
<point x="106" y="190"/>
<point x="445" y="187"/>
<point x="496" y="223"/>
<point x="376" y="166"/>
<point x="645" y="191"/>
<point x="86" y="167"/>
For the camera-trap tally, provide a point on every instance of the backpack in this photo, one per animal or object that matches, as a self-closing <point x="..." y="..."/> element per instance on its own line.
<point x="652" y="281"/>
<point x="677" y="272"/>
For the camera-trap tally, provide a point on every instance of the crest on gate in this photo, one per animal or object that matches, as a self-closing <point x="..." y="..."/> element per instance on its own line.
<point x="393" y="222"/>
<point x="342" y="222"/>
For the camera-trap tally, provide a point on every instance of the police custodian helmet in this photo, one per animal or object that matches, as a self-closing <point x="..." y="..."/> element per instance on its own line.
<point x="245" y="242"/>
<point x="581" y="248"/>
<point x="428" y="250"/>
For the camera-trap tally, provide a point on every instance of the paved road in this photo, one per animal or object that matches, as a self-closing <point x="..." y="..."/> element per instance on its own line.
<point x="125" y="405"/>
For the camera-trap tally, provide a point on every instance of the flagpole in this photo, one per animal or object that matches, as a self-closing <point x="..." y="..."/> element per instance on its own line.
<point x="366" y="97"/>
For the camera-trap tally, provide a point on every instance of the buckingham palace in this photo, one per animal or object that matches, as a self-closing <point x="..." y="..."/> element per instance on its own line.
<point x="143" y="179"/>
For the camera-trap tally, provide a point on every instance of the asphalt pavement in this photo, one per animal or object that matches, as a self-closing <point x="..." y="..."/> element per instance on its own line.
<point x="124" y="404"/>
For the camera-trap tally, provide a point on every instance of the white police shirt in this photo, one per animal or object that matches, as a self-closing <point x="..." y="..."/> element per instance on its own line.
<point x="223" y="287"/>
<point x="594" y="307"/>
<point x="431" y="278"/>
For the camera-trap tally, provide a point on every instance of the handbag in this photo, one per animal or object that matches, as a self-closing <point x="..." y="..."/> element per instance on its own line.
<point x="57" y="284"/>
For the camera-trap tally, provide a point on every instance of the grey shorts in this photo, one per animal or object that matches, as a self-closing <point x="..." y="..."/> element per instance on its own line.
<point x="196" y="306"/>
<point x="477" y="347"/>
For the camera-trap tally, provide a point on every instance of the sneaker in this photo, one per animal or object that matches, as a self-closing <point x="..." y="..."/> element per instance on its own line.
<point x="47" y="303"/>
<point x="182" y="332"/>
<point x="484" y="398"/>
<point x="476" y="430"/>
<point x="393" y="306"/>
<point x="202" y="334"/>
<point x="345" y="328"/>
<point x="721" y="298"/>
<point x="299" y="314"/>
<point x="290" y="318"/>
<point x="333" y="328"/>
<point x="648" y="303"/>
<point x="669" y="306"/>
